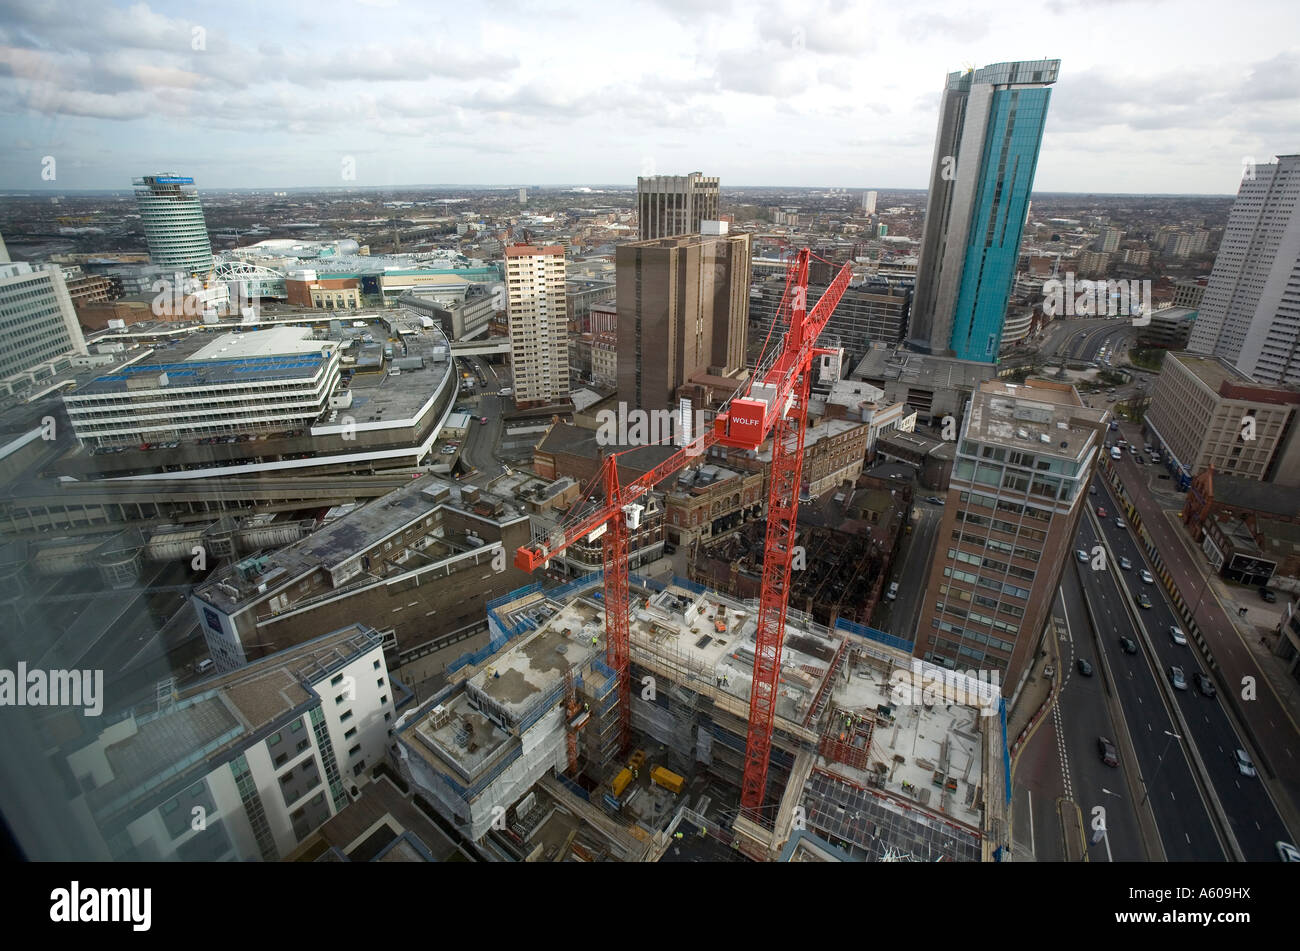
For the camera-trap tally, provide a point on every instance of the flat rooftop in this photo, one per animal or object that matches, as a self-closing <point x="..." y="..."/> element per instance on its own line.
<point x="218" y="714"/>
<point x="260" y="343"/>
<point x="1211" y="371"/>
<point x="1048" y="418"/>
<point x="922" y="370"/>
<point x="343" y="538"/>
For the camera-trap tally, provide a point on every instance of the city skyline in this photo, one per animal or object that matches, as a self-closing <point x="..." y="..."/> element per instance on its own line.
<point x="126" y="89"/>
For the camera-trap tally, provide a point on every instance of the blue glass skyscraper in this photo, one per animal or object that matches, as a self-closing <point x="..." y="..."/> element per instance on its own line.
<point x="986" y="152"/>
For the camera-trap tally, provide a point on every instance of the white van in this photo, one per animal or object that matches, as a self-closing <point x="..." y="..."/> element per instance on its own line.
<point x="205" y="666"/>
<point x="1115" y="453"/>
<point x="892" y="593"/>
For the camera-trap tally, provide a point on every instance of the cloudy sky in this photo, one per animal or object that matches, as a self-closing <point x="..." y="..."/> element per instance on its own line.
<point x="1166" y="97"/>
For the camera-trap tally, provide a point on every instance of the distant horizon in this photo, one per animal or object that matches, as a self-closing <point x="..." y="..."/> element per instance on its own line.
<point x="129" y="190"/>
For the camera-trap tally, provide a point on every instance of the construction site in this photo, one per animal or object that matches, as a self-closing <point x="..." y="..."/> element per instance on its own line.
<point x="846" y="543"/>
<point x="647" y="721"/>
<point x="876" y="755"/>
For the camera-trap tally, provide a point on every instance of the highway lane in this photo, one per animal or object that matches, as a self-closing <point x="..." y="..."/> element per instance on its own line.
<point x="1085" y="717"/>
<point x="1254" y="819"/>
<point x="1183" y="819"/>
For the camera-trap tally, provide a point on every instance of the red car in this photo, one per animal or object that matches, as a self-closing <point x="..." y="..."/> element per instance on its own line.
<point x="1101" y="512"/>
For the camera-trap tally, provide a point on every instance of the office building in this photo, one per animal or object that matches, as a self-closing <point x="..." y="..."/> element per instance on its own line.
<point x="419" y="564"/>
<point x="1019" y="485"/>
<point x="1189" y="293"/>
<point x="682" y="307"/>
<point x="173" y="223"/>
<point x="535" y="307"/>
<point x="991" y="124"/>
<point x="1168" y="329"/>
<point x="1204" y="412"/>
<point x="1093" y="263"/>
<point x="1250" y="314"/>
<point x="240" y="767"/>
<point x="237" y="383"/>
<point x="868" y="315"/>
<point x="38" y="324"/>
<point x="670" y="205"/>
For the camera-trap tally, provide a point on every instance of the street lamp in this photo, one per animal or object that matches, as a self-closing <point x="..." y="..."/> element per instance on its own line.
<point x="1159" y="763"/>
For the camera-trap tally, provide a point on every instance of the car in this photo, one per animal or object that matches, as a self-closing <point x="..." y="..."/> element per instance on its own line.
<point x="1106" y="748"/>
<point x="1204" y="684"/>
<point x="935" y="499"/>
<point x="1177" y="636"/>
<point x="1085" y="668"/>
<point x="1143" y="600"/>
<point x="1139" y="460"/>
<point x="1244" y="765"/>
<point x="1092" y="490"/>
<point x="892" y="593"/>
<point x="1101" y="512"/>
<point x="1146" y="577"/>
<point x="1081" y="555"/>
<point x="1128" y="645"/>
<point x="1125" y="564"/>
<point x="1268" y="595"/>
<point x="1121" y="524"/>
<point x="482" y="420"/>
<point x="1177" y="679"/>
<point x="1286" y="852"/>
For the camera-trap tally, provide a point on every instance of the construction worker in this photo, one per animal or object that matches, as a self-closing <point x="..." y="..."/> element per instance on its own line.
<point x="594" y="640"/>
<point x="677" y="835"/>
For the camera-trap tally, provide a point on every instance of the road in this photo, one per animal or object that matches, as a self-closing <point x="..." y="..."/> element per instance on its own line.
<point x="1165" y="770"/>
<point x="911" y="570"/>
<point x="1264" y="717"/>
<point x="1082" y="718"/>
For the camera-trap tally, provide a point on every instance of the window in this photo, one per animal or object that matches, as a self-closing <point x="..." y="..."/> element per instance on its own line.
<point x="346" y="716"/>
<point x="355" y="750"/>
<point x="340" y="698"/>
<point x="296" y="727"/>
<point x="379" y="682"/>
<point x="377" y="662"/>
<point x="336" y="680"/>
<point x="273" y="739"/>
<point x="351" y="733"/>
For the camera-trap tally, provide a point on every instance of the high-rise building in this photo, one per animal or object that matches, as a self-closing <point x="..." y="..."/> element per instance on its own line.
<point x="37" y="320"/>
<point x="1108" y="240"/>
<point x="1019" y="485"/>
<point x="539" y="344"/>
<point x="523" y="195"/>
<point x="869" y="203"/>
<point x="1250" y="314"/>
<point x="986" y="151"/>
<point x="1204" y="413"/>
<point x="682" y="307"/>
<point x="173" y="221"/>
<point x="669" y="205"/>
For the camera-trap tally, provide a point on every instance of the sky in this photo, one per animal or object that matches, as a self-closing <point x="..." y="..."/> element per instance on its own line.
<point x="1153" y="97"/>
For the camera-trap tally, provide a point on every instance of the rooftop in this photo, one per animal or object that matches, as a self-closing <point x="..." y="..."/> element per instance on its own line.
<point x="922" y="370"/>
<point x="1211" y="371"/>
<point x="1047" y="417"/>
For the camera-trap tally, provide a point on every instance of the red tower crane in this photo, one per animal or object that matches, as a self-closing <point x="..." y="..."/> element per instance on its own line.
<point x="775" y="403"/>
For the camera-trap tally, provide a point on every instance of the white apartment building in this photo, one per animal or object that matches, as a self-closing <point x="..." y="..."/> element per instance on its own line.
<point x="173" y="221"/>
<point x="535" y="305"/>
<point x="1250" y="314"/>
<point x="245" y="766"/>
<point x="264" y="380"/>
<point x="37" y="321"/>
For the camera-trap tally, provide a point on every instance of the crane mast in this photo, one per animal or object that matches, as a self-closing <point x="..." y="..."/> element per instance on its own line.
<point x="775" y="404"/>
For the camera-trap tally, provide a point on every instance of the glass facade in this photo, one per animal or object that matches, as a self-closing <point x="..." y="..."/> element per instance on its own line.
<point x="1006" y="177"/>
